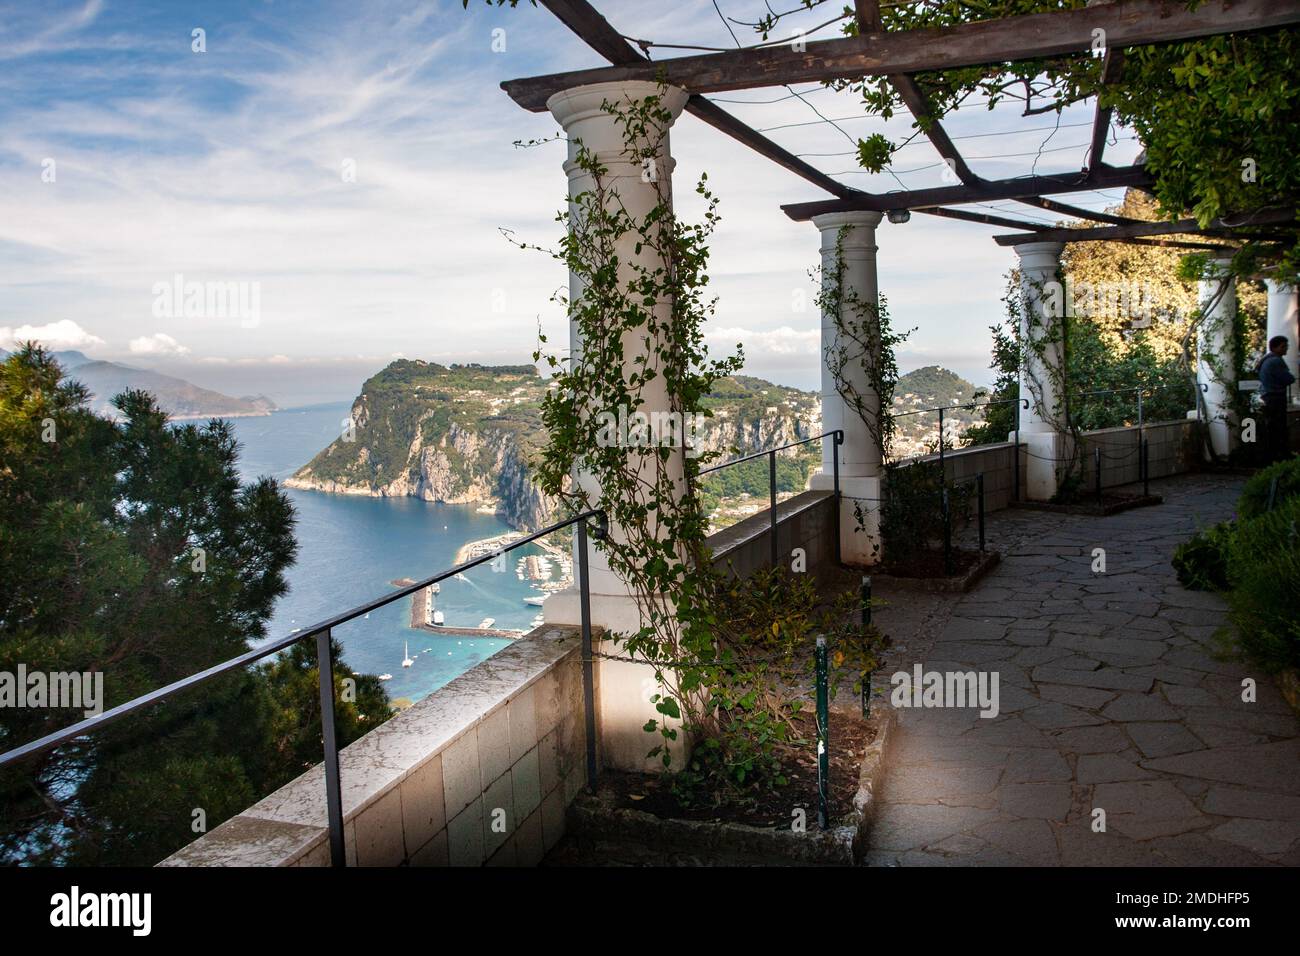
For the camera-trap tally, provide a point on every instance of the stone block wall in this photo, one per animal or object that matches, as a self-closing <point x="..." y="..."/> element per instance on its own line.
<point x="481" y="771"/>
<point x="806" y="520"/>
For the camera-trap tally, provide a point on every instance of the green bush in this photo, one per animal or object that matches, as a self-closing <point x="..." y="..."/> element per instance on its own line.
<point x="1202" y="561"/>
<point x="911" y="514"/>
<point x="1254" y="495"/>
<point x="1264" y="575"/>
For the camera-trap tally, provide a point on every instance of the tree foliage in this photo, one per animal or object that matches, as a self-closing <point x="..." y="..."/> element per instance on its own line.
<point x="130" y="549"/>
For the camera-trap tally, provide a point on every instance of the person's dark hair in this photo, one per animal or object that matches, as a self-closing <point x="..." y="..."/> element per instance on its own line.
<point x="1277" y="340"/>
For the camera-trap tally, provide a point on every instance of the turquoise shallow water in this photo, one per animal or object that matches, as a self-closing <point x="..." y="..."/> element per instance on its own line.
<point x="350" y="549"/>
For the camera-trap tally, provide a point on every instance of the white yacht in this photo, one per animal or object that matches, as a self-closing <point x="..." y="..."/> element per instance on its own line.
<point x="407" y="660"/>
<point x="487" y="622"/>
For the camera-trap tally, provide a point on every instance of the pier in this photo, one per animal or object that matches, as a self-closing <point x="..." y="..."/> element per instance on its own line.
<point x="418" y="618"/>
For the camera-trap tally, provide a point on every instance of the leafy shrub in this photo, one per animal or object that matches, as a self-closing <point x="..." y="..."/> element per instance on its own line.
<point x="1264" y="574"/>
<point x="757" y="685"/>
<point x="911" y="514"/>
<point x="1254" y="494"/>
<point x="1202" y="561"/>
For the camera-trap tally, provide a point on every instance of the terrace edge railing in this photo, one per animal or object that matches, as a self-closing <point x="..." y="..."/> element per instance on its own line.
<point x="837" y="434"/>
<point x="971" y="406"/>
<point x="322" y="631"/>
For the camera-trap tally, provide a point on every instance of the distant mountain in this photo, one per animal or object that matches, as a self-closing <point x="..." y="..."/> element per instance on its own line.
<point x="71" y="359"/>
<point x="930" y="387"/>
<point x="177" y="397"/>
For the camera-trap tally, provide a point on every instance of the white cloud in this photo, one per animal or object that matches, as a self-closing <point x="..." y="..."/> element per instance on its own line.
<point x="779" y="341"/>
<point x="160" y="343"/>
<point x="64" y="334"/>
<point x="159" y="179"/>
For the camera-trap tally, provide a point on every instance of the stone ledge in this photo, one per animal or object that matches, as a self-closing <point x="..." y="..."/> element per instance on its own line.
<point x="249" y="841"/>
<point x="290" y="825"/>
<point x="755" y="526"/>
<point x="871" y="774"/>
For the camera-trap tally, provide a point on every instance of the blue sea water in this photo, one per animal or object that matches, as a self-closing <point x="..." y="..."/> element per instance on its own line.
<point x="351" y="548"/>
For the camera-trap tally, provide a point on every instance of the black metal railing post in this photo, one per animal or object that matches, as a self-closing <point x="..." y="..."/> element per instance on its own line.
<point x="836" y="442"/>
<point x="771" y="478"/>
<point x="1146" y="468"/>
<point x="588" y="657"/>
<point x="941" y="441"/>
<point x="944" y="504"/>
<point x="823" y="737"/>
<point x="947" y="530"/>
<point x="1096" y="457"/>
<point x="979" y="485"/>
<point x="1015" y="458"/>
<point x="866" y="624"/>
<point x="329" y="737"/>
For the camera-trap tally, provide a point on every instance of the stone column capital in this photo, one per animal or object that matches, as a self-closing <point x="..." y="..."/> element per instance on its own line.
<point x="1040" y="255"/>
<point x="578" y="103"/>
<point x="833" y="221"/>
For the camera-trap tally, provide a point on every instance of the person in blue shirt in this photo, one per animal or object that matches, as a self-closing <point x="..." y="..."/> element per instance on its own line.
<point x="1274" y="379"/>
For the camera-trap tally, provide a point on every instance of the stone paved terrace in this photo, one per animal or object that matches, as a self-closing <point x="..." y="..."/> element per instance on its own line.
<point x="1112" y="696"/>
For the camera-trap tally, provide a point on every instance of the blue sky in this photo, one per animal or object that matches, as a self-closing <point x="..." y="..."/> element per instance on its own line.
<point x="227" y="167"/>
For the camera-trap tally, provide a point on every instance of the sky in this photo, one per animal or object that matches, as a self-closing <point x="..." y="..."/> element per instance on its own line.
<point x="344" y="172"/>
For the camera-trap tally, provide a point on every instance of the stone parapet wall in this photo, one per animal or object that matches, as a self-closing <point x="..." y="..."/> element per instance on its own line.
<point x="480" y="771"/>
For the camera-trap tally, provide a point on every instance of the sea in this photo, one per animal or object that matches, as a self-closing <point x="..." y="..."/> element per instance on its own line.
<point x="351" y="549"/>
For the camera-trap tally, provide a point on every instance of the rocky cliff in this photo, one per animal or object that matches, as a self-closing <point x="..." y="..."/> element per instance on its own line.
<point x="466" y="433"/>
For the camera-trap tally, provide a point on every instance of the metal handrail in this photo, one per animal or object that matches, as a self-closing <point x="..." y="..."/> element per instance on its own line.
<point x="770" y="455"/>
<point x="969" y="406"/>
<point x="837" y="433"/>
<point x="1015" y="462"/>
<point x="322" y="632"/>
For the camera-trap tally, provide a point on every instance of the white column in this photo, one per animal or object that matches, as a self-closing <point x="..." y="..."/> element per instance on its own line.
<point x="623" y="688"/>
<point x="1216" y="374"/>
<point x="1043" y="429"/>
<point x="860" y="460"/>
<point x="1284" y="319"/>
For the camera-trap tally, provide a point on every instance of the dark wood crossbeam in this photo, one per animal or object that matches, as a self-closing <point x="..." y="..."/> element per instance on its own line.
<point x="597" y="32"/>
<point x="868" y="16"/>
<point x="1179" y="244"/>
<point x="1228" y="227"/>
<point x="1023" y="188"/>
<point x="981" y="217"/>
<point x="1076" y="211"/>
<point x="914" y="99"/>
<point x="719" y="119"/>
<point x="1126" y="22"/>
<point x="1111" y="67"/>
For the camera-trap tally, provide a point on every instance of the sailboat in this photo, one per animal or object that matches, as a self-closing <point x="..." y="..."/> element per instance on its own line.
<point x="407" y="661"/>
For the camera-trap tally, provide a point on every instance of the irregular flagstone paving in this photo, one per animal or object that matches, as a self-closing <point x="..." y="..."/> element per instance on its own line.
<point x="1114" y="695"/>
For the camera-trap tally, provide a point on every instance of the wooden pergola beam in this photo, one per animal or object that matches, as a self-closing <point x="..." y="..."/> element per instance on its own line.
<point x="597" y="32"/>
<point x="981" y="217"/>
<point x="1179" y="244"/>
<point x="1230" y="226"/>
<point x="1023" y="188"/>
<point x="868" y="16"/>
<point x="1126" y="23"/>
<point x="1111" y="67"/>
<point x="915" y="101"/>
<point x="1077" y="212"/>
